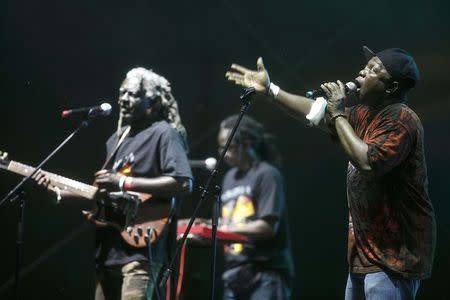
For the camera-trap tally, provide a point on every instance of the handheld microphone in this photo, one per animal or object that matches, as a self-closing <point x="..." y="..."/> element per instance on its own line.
<point x="91" y="111"/>
<point x="209" y="163"/>
<point x="349" y="87"/>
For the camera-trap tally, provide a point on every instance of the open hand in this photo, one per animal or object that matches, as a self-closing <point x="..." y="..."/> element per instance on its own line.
<point x="242" y="76"/>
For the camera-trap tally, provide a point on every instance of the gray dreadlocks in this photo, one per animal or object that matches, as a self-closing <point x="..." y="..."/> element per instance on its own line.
<point x="156" y="86"/>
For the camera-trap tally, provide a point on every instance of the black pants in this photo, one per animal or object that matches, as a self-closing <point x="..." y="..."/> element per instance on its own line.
<point x="252" y="284"/>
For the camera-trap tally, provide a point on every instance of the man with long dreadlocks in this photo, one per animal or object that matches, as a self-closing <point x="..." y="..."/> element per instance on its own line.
<point x="253" y="205"/>
<point x="146" y="155"/>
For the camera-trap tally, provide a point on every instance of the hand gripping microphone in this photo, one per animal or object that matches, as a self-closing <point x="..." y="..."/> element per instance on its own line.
<point x="102" y="110"/>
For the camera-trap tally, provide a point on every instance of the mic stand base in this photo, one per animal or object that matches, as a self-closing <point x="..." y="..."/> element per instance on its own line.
<point x="19" y="242"/>
<point x="215" y="223"/>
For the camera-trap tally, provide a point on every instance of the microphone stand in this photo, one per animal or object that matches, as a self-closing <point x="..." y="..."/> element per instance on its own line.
<point x="245" y="102"/>
<point x="17" y="193"/>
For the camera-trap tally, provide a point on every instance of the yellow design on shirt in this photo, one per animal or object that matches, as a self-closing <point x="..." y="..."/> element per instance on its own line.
<point x="225" y="212"/>
<point x="236" y="248"/>
<point x="243" y="209"/>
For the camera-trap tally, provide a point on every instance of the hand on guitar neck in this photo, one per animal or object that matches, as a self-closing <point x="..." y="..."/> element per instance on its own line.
<point x="43" y="180"/>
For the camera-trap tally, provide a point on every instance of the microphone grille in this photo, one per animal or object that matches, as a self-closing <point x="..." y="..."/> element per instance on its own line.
<point x="106" y="108"/>
<point x="210" y="163"/>
<point x="351" y="86"/>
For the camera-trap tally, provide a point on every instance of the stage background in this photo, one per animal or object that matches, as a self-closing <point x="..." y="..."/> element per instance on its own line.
<point x="63" y="54"/>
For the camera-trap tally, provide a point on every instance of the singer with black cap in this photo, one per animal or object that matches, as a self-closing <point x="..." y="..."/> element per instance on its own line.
<point x="392" y="229"/>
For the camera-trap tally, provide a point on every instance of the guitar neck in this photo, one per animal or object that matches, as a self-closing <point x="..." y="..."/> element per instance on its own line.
<point x="65" y="184"/>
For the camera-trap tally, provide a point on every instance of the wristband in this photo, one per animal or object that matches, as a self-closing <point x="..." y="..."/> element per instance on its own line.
<point x="127" y="184"/>
<point x="333" y="118"/>
<point x="317" y="111"/>
<point x="122" y="182"/>
<point x="58" y="194"/>
<point x="273" y="89"/>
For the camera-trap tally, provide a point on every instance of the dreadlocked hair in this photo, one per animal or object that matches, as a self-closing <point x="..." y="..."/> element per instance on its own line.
<point x="156" y="86"/>
<point x="254" y="132"/>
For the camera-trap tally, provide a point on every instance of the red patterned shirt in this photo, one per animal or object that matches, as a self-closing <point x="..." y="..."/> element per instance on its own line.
<point x="391" y="219"/>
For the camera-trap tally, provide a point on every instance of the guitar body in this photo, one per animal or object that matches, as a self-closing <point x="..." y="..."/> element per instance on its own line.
<point x="150" y="222"/>
<point x="140" y="223"/>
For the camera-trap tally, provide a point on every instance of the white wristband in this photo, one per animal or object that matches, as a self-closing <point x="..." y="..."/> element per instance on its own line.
<point x="317" y="111"/>
<point x="273" y="89"/>
<point x="122" y="182"/>
<point x="58" y="194"/>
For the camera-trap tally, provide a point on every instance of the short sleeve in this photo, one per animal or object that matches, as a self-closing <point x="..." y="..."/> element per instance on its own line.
<point x="174" y="161"/>
<point x="270" y="197"/>
<point x="389" y="145"/>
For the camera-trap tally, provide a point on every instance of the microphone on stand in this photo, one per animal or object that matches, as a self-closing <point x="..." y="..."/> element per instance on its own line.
<point x="209" y="163"/>
<point x="349" y="87"/>
<point x="102" y="110"/>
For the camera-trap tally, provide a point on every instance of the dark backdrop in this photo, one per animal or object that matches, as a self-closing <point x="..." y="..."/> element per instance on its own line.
<point x="62" y="54"/>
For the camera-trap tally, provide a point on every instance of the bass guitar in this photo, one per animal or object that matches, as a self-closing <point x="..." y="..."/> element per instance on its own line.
<point x="139" y="217"/>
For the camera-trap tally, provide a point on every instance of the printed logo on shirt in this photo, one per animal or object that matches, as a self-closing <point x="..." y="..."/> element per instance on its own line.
<point x="124" y="165"/>
<point x="236" y="192"/>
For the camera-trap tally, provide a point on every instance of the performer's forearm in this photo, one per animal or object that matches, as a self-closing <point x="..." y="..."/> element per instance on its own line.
<point x="295" y="105"/>
<point x="353" y="146"/>
<point x="256" y="230"/>
<point x="164" y="186"/>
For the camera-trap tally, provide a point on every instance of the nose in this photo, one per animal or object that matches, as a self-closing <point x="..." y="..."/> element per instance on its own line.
<point x="123" y="97"/>
<point x="363" y="73"/>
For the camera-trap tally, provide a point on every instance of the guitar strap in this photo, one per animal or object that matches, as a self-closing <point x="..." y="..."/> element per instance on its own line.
<point x="119" y="142"/>
<point x="100" y="213"/>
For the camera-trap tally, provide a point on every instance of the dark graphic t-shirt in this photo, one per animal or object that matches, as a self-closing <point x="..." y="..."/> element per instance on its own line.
<point x="155" y="151"/>
<point x="248" y="196"/>
<point x="391" y="220"/>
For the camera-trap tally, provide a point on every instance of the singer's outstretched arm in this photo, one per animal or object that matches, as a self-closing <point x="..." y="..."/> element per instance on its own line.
<point x="299" y="107"/>
<point x="295" y="105"/>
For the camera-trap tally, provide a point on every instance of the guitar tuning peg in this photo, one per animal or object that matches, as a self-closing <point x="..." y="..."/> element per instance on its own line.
<point x="149" y="234"/>
<point x="150" y="231"/>
<point x="139" y="230"/>
<point x="136" y="238"/>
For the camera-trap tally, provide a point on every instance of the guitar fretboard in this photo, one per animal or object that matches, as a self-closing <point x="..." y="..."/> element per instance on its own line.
<point x="78" y="188"/>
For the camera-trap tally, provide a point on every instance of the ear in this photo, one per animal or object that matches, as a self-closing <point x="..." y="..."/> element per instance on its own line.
<point x="392" y="88"/>
<point x="246" y="144"/>
<point x="251" y="152"/>
<point x="249" y="149"/>
<point x="152" y="102"/>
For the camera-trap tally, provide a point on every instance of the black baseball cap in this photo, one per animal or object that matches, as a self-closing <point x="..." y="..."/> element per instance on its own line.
<point x="399" y="64"/>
